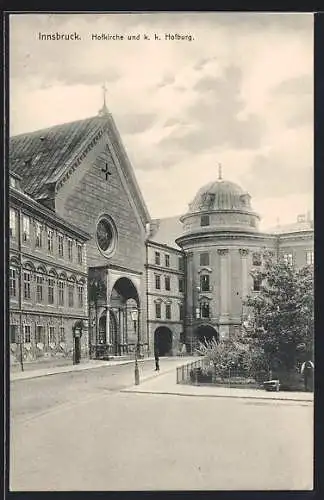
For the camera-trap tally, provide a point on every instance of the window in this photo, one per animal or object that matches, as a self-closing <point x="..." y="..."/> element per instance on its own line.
<point x="70" y="247"/>
<point x="40" y="335"/>
<point x="257" y="283"/>
<point x="204" y="259"/>
<point x="51" y="290"/>
<point x="71" y="295"/>
<point x="61" y="293"/>
<point x="39" y="288"/>
<point x="204" y="220"/>
<point x="60" y="245"/>
<point x="80" y="259"/>
<point x="288" y="258"/>
<point x="181" y="264"/>
<point x="157" y="310"/>
<point x="181" y="285"/>
<point x="51" y="335"/>
<point x="167" y="260"/>
<point x="50" y="237"/>
<point x="62" y="334"/>
<point x="38" y="242"/>
<point x="256" y="259"/>
<point x="13" y="282"/>
<point x="310" y="257"/>
<point x="168" y="311"/>
<point x="27" y="334"/>
<point x="27" y="279"/>
<point x="167" y="283"/>
<point x="12" y="182"/>
<point x="26" y="228"/>
<point x="204" y="283"/>
<point x="13" y="334"/>
<point x="157" y="281"/>
<point x="204" y="309"/>
<point x="181" y="312"/>
<point x="157" y="258"/>
<point x="13" y="223"/>
<point x="80" y="295"/>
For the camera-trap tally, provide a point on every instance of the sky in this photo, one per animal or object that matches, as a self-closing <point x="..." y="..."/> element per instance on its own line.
<point x="239" y="93"/>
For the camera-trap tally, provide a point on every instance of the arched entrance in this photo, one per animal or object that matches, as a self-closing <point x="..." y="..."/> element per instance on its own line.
<point x="124" y="327"/>
<point x="205" y="333"/>
<point x="77" y="332"/>
<point x="163" y="340"/>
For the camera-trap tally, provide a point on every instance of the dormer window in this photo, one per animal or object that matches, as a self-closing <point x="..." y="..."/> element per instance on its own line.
<point x="204" y="220"/>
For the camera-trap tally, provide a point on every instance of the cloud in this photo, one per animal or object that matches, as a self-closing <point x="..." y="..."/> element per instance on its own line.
<point x="135" y="123"/>
<point x="299" y="85"/>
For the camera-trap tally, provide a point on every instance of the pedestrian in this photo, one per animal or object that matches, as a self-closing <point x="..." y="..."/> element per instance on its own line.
<point x="157" y="361"/>
<point x="307" y="370"/>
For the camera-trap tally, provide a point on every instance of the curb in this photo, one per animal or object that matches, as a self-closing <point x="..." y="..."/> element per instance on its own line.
<point x="260" y="398"/>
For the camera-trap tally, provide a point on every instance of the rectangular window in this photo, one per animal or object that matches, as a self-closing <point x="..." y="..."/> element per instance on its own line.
<point x="310" y="257"/>
<point x="38" y="241"/>
<point x="26" y="228"/>
<point x="204" y="259"/>
<point x="157" y="281"/>
<point x="168" y="311"/>
<point x="13" y="223"/>
<point x="50" y="238"/>
<point x="70" y="246"/>
<point x="288" y="258"/>
<point x="51" y="335"/>
<point x="71" y="295"/>
<point x="50" y="290"/>
<point x="61" y="293"/>
<point x="204" y="220"/>
<point x="181" y="312"/>
<point x="167" y="283"/>
<point x="256" y="259"/>
<point x="62" y="334"/>
<point x="80" y="295"/>
<point x="181" y="264"/>
<point x="167" y="260"/>
<point x="60" y="245"/>
<point x="40" y="334"/>
<point x="13" y="334"/>
<point x="39" y="289"/>
<point x="205" y="310"/>
<point x="181" y="284"/>
<point x="157" y="310"/>
<point x="27" y="334"/>
<point x="157" y="258"/>
<point x="204" y="283"/>
<point x="257" y="284"/>
<point x="27" y="280"/>
<point x="13" y="282"/>
<point x="80" y="257"/>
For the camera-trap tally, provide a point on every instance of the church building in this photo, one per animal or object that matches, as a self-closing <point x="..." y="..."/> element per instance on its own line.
<point x="92" y="274"/>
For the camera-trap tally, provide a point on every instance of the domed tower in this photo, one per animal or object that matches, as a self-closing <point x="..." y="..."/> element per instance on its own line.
<point x="222" y="244"/>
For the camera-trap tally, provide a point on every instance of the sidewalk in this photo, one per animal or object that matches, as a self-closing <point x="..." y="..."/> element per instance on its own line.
<point x="165" y="383"/>
<point x="92" y="364"/>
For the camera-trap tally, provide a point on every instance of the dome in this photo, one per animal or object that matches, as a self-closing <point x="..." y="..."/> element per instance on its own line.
<point x="220" y="195"/>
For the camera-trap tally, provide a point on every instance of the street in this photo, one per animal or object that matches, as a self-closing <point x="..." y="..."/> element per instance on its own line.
<point x="79" y="432"/>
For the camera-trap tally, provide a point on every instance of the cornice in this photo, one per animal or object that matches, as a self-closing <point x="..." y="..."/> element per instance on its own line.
<point x="39" y="210"/>
<point x="224" y="235"/>
<point x="155" y="244"/>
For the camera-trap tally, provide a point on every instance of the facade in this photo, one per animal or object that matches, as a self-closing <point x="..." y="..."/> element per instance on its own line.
<point x="47" y="282"/>
<point x="145" y="282"/>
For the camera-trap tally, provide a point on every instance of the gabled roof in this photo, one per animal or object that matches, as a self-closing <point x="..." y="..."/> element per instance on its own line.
<point x="38" y="157"/>
<point x="43" y="157"/>
<point x="166" y="230"/>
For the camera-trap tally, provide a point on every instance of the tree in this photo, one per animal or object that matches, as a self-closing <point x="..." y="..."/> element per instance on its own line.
<point x="283" y="312"/>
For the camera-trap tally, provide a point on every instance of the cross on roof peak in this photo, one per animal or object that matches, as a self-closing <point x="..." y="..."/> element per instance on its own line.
<point x="104" y="110"/>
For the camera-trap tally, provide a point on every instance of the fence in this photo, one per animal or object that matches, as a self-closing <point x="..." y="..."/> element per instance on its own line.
<point x="202" y="372"/>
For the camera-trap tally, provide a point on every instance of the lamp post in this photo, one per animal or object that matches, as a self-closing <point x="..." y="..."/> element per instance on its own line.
<point x="134" y="314"/>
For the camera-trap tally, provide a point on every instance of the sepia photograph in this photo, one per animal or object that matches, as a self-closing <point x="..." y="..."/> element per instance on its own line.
<point x="160" y="247"/>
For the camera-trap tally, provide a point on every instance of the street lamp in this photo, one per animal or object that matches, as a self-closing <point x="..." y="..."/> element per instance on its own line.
<point x="134" y="314"/>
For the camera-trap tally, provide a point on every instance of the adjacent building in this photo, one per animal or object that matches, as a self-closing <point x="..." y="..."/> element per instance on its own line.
<point x="92" y="274"/>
